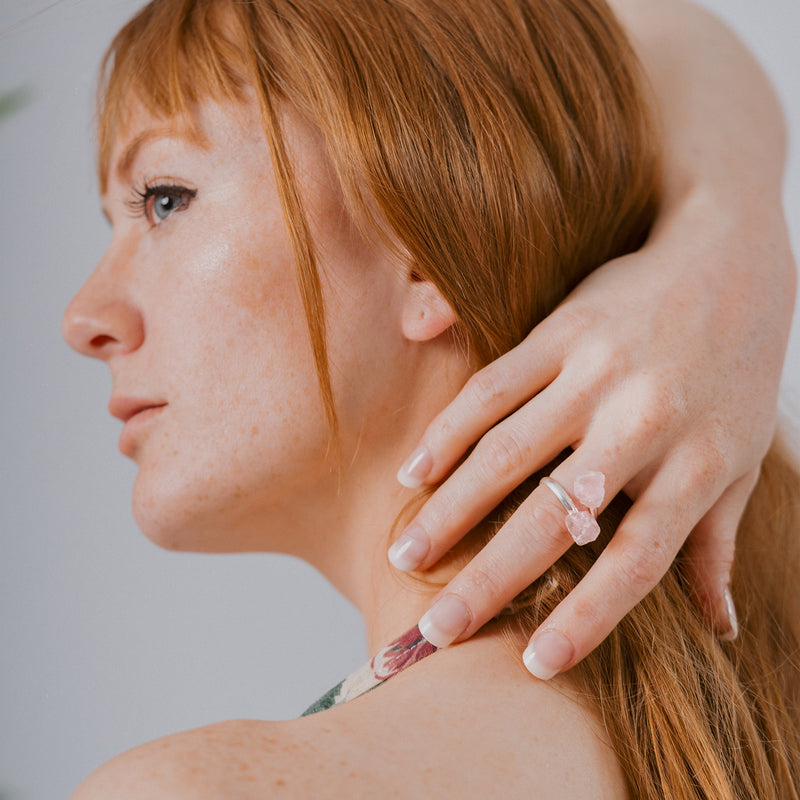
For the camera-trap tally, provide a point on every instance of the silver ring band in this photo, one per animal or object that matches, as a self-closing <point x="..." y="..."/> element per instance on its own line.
<point x="560" y="492"/>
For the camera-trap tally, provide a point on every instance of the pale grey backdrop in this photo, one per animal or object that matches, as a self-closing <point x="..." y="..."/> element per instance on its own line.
<point x="106" y="641"/>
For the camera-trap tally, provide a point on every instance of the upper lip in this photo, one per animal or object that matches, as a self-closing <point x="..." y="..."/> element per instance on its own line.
<point x="126" y="407"/>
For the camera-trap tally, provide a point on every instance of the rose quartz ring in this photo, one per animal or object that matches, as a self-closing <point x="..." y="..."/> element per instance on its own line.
<point x="589" y="489"/>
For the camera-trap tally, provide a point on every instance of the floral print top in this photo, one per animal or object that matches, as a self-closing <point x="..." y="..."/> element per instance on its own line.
<point x="395" y="657"/>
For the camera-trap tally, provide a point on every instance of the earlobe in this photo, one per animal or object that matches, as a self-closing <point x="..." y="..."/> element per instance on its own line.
<point x="426" y="314"/>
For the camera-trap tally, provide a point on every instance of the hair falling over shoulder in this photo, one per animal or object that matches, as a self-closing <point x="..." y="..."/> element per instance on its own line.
<point x="691" y="716"/>
<point x="507" y="148"/>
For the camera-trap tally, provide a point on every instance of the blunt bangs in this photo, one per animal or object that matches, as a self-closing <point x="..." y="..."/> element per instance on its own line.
<point x="168" y="58"/>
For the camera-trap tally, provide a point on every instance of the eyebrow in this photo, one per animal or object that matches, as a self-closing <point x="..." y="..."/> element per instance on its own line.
<point x="126" y="161"/>
<point x="129" y="155"/>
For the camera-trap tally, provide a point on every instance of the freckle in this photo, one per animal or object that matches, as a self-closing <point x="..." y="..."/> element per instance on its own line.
<point x="254" y="432"/>
<point x="280" y="782"/>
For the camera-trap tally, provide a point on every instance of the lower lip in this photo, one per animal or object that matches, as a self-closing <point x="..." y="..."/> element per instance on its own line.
<point x="134" y="428"/>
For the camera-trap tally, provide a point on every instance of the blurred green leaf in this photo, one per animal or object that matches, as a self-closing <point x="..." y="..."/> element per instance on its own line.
<point x="11" y="102"/>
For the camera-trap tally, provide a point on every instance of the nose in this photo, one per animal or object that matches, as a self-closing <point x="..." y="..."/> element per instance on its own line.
<point x="101" y="320"/>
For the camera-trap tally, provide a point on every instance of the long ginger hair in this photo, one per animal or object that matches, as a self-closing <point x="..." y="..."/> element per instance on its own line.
<point x="509" y="147"/>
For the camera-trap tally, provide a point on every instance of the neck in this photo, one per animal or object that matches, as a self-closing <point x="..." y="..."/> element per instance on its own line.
<point x="363" y="504"/>
<point x="389" y="600"/>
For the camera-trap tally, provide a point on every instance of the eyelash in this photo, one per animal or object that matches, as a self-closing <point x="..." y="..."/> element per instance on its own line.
<point x="141" y="206"/>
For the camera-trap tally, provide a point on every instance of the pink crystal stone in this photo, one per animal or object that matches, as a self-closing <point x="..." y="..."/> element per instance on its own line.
<point x="590" y="489"/>
<point x="582" y="526"/>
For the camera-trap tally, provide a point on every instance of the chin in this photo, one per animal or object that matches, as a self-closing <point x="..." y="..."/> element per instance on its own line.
<point x="179" y="520"/>
<point x="202" y="515"/>
<point x="170" y="532"/>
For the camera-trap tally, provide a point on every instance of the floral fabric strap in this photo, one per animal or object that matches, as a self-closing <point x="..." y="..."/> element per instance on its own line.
<point x="395" y="657"/>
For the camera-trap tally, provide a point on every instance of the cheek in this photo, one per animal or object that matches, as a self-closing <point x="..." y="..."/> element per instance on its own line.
<point x="244" y="431"/>
<point x="231" y="461"/>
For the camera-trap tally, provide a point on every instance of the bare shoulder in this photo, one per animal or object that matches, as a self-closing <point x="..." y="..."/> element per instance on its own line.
<point x="237" y="760"/>
<point x="200" y="763"/>
<point x="467" y="722"/>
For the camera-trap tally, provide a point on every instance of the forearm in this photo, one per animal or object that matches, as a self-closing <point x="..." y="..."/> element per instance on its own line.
<point x="723" y="126"/>
<point x="721" y="226"/>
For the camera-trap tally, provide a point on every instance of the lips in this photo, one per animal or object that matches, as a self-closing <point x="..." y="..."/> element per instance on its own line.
<point x="137" y="414"/>
<point x="125" y="408"/>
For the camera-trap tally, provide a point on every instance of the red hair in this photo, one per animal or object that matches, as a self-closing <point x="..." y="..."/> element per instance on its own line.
<point x="509" y="147"/>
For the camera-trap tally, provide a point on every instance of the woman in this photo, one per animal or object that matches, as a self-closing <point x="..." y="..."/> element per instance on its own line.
<point x="436" y="203"/>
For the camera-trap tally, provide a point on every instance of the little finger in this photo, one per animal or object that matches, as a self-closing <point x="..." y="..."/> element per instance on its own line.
<point x="709" y="552"/>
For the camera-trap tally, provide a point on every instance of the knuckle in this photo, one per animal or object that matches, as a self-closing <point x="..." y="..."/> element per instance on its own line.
<point x="706" y="470"/>
<point x="641" y="568"/>
<point x="440" y="514"/>
<point x="588" y="614"/>
<point x="708" y="555"/>
<point x="579" y="319"/>
<point x="547" y="522"/>
<point x="581" y="399"/>
<point x="501" y="453"/>
<point x="486" y="389"/>
<point x="659" y="405"/>
<point x="445" y="425"/>
<point x="486" y="581"/>
<point x="606" y="361"/>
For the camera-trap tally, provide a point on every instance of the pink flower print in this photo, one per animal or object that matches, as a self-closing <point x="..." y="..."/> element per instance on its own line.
<point x="401" y="653"/>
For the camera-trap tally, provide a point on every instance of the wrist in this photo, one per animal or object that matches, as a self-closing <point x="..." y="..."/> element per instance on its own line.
<point x="728" y="243"/>
<point x="728" y="218"/>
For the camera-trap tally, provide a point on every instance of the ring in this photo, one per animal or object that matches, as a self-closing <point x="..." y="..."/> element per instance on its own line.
<point x="561" y="493"/>
<point x="582" y="525"/>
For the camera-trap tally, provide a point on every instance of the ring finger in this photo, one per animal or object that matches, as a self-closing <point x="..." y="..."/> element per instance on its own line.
<point x="533" y="538"/>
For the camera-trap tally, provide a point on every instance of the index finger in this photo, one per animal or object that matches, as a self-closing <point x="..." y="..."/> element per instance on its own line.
<point x="489" y="395"/>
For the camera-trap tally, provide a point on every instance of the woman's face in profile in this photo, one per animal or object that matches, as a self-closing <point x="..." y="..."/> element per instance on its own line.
<point x="195" y="309"/>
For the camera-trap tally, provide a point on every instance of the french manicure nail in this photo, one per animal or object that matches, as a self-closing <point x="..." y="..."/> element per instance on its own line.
<point x="409" y="551"/>
<point x="447" y="620"/>
<point x="730" y="608"/>
<point x="548" y="653"/>
<point x="416" y="468"/>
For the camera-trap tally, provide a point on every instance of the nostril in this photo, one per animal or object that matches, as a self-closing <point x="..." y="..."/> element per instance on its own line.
<point x="98" y="342"/>
<point x="102" y="329"/>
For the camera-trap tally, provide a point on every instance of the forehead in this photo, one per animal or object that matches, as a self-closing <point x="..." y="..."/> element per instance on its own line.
<point x="225" y="144"/>
<point x="223" y="128"/>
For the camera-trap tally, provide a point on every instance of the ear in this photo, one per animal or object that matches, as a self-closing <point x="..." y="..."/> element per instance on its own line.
<point x="426" y="314"/>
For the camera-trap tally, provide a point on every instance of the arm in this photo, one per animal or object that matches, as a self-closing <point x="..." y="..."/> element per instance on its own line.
<point x="723" y="125"/>
<point x="680" y="407"/>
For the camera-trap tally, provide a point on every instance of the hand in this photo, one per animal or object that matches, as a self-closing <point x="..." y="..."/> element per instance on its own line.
<point x="661" y="370"/>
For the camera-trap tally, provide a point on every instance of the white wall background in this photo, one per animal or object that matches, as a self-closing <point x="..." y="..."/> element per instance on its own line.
<point x="106" y="641"/>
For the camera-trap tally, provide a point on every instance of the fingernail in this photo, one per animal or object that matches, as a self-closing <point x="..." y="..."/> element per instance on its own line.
<point x="416" y="468"/>
<point x="733" y="620"/>
<point x="447" y="620"/>
<point x="548" y="654"/>
<point x="410" y="549"/>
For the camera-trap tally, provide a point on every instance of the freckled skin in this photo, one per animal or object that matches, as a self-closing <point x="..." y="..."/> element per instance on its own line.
<point x="226" y="342"/>
<point x="201" y="312"/>
<point x="395" y="742"/>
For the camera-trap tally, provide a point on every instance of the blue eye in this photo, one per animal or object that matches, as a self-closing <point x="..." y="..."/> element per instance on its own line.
<point x="158" y="202"/>
<point x="165" y="204"/>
